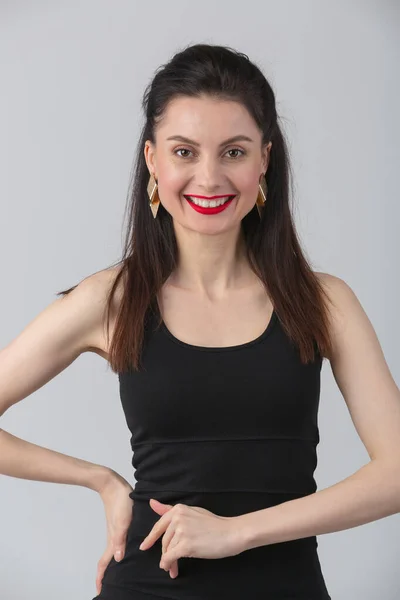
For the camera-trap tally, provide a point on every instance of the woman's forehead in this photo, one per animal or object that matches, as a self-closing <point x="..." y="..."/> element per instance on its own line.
<point x="197" y="118"/>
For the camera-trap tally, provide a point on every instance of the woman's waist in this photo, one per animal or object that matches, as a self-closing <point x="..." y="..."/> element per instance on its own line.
<point x="226" y="504"/>
<point x="226" y="466"/>
<point x="276" y="570"/>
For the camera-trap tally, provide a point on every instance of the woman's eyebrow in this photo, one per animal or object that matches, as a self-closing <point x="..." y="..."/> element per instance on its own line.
<point x="236" y="138"/>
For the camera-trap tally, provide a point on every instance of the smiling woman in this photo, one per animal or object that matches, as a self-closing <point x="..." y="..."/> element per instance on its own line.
<point x="215" y="261"/>
<point x="208" y="164"/>
<point x="217" y="328"/>
<point x="225" y="381"/>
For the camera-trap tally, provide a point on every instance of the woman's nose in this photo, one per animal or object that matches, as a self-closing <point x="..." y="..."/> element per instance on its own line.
<point x="209" y="174"/>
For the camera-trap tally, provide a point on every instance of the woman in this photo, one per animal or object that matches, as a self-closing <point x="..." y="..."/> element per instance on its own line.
<point x="217" y="328"/>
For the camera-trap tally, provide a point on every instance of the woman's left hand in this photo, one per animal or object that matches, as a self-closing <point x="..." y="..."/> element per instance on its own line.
<point x="191" y="531"/>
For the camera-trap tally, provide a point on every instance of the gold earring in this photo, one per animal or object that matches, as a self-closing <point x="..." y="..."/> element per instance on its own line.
<point x="152" y="191"/>
<point x="262" y="194"/>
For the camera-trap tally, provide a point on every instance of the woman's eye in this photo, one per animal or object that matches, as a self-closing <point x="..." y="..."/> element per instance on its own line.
<point x="236" y="150"/>
<point x="186" y="150"/>
<point x="182" y="150"/>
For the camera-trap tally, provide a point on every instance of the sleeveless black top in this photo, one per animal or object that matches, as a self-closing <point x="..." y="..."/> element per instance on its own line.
<point x="231" y="429"/>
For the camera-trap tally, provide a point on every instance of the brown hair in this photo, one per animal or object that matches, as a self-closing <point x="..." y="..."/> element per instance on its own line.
<point x="273" y="249"/>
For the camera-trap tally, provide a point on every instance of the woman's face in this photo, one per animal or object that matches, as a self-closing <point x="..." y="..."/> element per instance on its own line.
<point x="205" y="163"/>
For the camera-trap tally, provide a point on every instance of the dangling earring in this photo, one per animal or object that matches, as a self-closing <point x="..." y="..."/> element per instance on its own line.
<point x="262" y="194"/>
<point x="152" y="191"/>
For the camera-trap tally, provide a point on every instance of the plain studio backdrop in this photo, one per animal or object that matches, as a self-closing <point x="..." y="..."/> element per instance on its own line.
<point x="72" y="75"/>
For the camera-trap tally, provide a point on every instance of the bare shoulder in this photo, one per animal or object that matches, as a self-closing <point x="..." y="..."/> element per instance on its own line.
<point x="352" y="331"/>
<point x="343" y="302"/>
<point x="331" y="283"/>
<point x="70" y="325"/>
<point x="94" y="292"/>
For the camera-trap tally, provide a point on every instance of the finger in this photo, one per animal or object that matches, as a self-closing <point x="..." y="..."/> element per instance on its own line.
<point x="157" y="530"/>
<point x="99" y="579"/>
<point x="174" y="569"/>
<point x="170" y="557"/>
<point x="166" y="541"/>
<point x="101" y="567"/>
<point x="119" y="554"/>
<point x="119" y="544"/>
<point x="98" y="585"/>
<point x="167" y="537"/>
<point x="150" y="539"/>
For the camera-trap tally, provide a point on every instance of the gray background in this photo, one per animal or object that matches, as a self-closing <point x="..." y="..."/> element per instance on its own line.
<point x="72" y="76"/>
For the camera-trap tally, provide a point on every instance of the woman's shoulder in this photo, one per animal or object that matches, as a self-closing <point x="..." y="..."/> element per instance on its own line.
<point x="326" y="278"/>
<point x="344" y="305"/>
<point x="97" y="288"/>
<point x="334" y="286"/>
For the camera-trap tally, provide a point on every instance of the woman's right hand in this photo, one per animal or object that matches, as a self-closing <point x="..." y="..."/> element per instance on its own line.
<point x="118" y="509"/>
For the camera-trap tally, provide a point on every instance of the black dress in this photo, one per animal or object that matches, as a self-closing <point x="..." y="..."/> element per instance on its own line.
<point x="231" y="429"/>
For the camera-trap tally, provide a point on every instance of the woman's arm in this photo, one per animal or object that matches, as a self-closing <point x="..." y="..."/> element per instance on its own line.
<point x="71" y="325"/>
<point x="19" y="458"/>
<point x="373" y="401"/>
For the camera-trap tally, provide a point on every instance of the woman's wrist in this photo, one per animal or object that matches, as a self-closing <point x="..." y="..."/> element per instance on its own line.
<point x="100" y="477"/>
<point x="108" y="480"/>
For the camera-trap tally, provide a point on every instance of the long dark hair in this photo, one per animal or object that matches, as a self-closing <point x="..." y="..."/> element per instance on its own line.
<point x="273" y="249"/>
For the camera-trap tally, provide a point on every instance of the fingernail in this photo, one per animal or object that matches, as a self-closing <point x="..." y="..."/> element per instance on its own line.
<point x="118" y="555"/>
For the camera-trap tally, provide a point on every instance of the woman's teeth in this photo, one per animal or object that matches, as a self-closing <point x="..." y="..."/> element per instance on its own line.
<point x="209" y="203"/>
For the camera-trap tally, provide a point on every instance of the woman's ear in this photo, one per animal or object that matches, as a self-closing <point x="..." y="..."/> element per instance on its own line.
<point x="266" y="156"/>
<point x="149" y="155"/>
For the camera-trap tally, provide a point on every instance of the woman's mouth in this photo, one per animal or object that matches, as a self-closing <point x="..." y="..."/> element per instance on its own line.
<point x="210" y="207"/>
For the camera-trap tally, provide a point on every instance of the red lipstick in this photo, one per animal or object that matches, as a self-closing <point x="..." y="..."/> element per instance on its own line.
<point x="209" y="197"/>
<point x="210" y="210"/>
